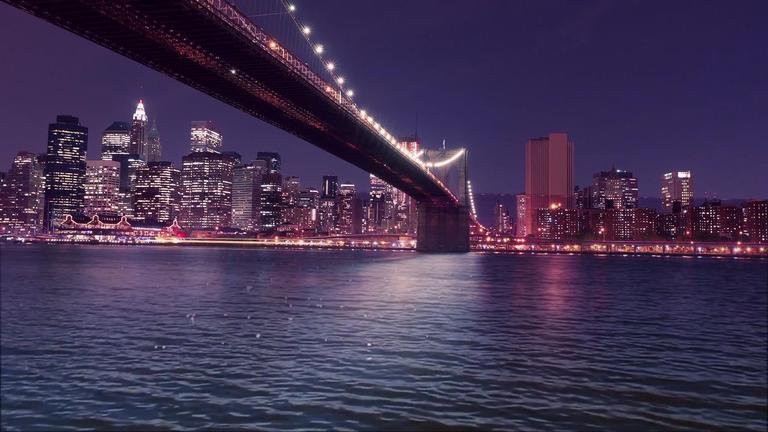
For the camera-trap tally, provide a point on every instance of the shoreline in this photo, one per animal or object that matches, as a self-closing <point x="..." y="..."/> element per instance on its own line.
<point x="308" y="245"/>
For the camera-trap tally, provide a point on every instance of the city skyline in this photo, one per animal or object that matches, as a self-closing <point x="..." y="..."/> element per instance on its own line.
<point x="646" y="150"/>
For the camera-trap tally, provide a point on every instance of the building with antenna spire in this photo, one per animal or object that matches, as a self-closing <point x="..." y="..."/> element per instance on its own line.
<point x="138" y="143"/>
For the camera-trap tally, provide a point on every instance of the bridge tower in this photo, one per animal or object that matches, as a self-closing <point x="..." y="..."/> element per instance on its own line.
<point x="444" y="227"/>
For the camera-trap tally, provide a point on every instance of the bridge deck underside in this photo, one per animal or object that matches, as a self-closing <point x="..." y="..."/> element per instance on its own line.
<point x="186" y="41"/>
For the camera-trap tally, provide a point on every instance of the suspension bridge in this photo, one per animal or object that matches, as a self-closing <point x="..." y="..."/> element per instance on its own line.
<point x="220" y="48"/>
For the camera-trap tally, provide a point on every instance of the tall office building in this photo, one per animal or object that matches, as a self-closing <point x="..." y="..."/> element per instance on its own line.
<point x="614" y="189"/>
<point x="154" y="148"/>
<point x="380" y="209"/>
<point x="501" y="219"/>
<point x="676" y="187"/>
<point x="129" y="166"/>
<point x="138" y="144"/>
<point x="348" y="204"/>
<point x="102" y="187"/>
<point x="291" y="189"/>
<point x="522" y="229"/>
<point x="307" y="204"/>
<point x="22" y="192"/>
<point x="328" y="211"/>
<point x="205" y="137"/>
<point x="115" y="140"/>
<point x="246" y="196"/>
<point x="206" y="201"/>
<point x="157" y="193"/>
<point x="64" y="169"/>
<point x="548" y="175"/>
<point x="272" y="160"/>
<point x="271" y="200"/>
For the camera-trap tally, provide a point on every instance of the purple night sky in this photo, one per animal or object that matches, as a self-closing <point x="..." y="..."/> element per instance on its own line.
<point x="650" y="86"/>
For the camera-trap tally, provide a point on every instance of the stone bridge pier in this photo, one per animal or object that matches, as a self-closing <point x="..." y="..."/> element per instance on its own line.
<point x="442" y="228"/>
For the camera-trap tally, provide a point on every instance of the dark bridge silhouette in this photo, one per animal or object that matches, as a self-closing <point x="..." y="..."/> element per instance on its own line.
<point x="212" y="46"/>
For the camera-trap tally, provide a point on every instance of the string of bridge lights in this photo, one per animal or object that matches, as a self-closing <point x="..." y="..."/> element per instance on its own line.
<point x="330" y="66"/>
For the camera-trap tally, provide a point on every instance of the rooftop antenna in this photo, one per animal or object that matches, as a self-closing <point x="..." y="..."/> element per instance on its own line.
<point x="443" y="143"/>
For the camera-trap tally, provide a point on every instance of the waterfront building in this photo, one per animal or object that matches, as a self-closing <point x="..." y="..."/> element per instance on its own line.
<point x="22" y="191"/>
<point x="272" y="160"/>
<point x="115" y="140"/>
<point x="206" y="179"/>
<point x="102" y="187"/>
<point x="501" y="220"/>
<point x="548" y="175"/>
<point x="349" y="210"/>
<point x="557" y="223"/>
<point x="138" y="143"/>
<point x="756" y="221"/>
<point x="676" y="187"/>
<point x="522" y="229"/>
<point x="205" y="137"/>
<point x="613" y="189"/>
<point x="246" y="196"/>
<point x="154" y="147"/>
<point x="381" y="208"/>
<point x="64" y="169"/>
<point x="714" y="221"/>
<point x="271" y="199"/>
<point x="328" y="214"/>
<point x="157" y="193"/>
<point x="627" y="224"/>
<point x="307" y="205"/>
<point x="129" y="166"/>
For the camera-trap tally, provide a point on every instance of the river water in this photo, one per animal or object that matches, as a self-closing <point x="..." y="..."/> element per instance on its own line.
<point x="114" y="337"/>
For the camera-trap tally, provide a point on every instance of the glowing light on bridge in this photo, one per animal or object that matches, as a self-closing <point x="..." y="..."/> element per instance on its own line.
<point x="330" y="66"/>
<point x="340" y="80"/>
<point x="319" y="48"/>
<point x="350" y="93"/>
<point x="445" y="161"/>
<point x="291" y="8"/>
<point x="306" y="30"/>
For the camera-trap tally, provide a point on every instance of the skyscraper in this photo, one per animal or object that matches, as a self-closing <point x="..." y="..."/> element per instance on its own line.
<point x="115" y="140"/>
<point x="157" y="193"/>
<point x="206" y="201"/>
<point x="271" y="200"/>
<point x="138" y="144"/>
<point x="65" y="169"/>
<point x="614" y="189"/>
<point x="154" y="148"/>
<point x="102" y="187"/>
<point x="205" y="137"/>
<point x="246" y="196"/>
<point x="548" y="174"/>
<point x="756" y="220"/>
<point x="348" y="204"/>
<point x="501" y="220"/>
<point x="129" y="166"/>
<point x="272" y="160"/>
<point x="328" y="212"/>
<point x="380" y="208"/>
<point x="522" y="228"/>
<point x="677" y="187"/>
<point x="22" y="192"/>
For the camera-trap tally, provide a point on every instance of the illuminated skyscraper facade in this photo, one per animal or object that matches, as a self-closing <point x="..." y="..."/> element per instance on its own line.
<point x="205" y="137"/>
<point x="328" y="213"/>
<point x="206" y="201"/>
<point x="138" y="144"/>
<point x="115" y="140"/>
<point x="22" y="193"/>
<point x="154" y="148"/>
<point x="676" y="186"/>
<point x="272" y="160"/>
<point x="102" y="187"/>
<point x="271" y="201"/>
<point x="157" y="193"/>
<point x="756" y="221"/>
<point x="348" y="205"/>
<point x="64" y="169"/>
<point x="548" y="174"/>
<point x="614" y="189"/>
<point x="246" y="196"/>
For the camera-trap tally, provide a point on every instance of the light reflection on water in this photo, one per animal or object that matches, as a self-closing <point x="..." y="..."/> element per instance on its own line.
<point x="104" y="337"/>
